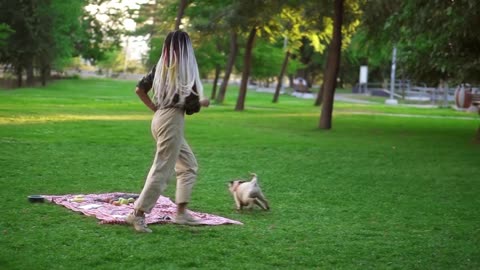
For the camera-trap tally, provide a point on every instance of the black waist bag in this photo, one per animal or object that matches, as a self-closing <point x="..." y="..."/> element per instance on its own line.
<point x="192" y="104"/>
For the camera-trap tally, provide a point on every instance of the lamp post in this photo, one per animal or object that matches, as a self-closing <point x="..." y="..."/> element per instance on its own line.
<point x="284" y="49"/>
<point x="392" y="100"/>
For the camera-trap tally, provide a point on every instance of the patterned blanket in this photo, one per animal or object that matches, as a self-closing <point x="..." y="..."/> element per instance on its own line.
<point x="113" y="208"/>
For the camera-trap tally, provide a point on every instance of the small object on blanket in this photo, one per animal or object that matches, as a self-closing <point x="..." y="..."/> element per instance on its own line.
<point x="119" y="200"/>
<point x="36" y="198"/>
<point x="78" y="198"/>
<point x="101" y="207"/>
<point x="90" y="206"/>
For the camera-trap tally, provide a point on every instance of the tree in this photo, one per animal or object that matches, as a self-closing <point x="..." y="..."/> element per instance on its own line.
<point x="207" y="20"/>
<point x="267" y="60"/>
<point x="101" y="29"/>
<point x="363" y="51"/>
<point x="449" y="49"/>
<point x="352" y="12"/>
<point x="154" y="20"/>
<point x="181" y="10"/>
<point x="210" y="56"/>
<point x="436" y="40"/>
<point x="211" y="18"/>
<point x="112" y="62"/>
<point x="32" y="33"/>
<point x="5" y="32"/>
<point x="45" y="33"/>
<point x="331" y="72"/>
<point x="240" y="20"/>
<point x="255" y="20"/>
<point x="246" y="70"/>
<point x="60" y="31"/>
<point x="292" y="25"/>
<point x="280" y="77"/>
<point x="229" y="66"/>
<point x="19" y="46"/>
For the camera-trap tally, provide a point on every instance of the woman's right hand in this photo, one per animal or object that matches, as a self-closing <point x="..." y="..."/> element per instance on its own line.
<point x="205" y="102"/>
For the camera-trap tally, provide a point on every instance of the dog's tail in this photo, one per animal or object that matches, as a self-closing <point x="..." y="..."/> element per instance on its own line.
<point x="254" y="179"/>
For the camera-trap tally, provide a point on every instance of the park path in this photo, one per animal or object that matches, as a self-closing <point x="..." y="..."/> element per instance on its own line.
<point x="344" y="98"/>
<point x="341" y="97"/>
<point x="473" y="118"/>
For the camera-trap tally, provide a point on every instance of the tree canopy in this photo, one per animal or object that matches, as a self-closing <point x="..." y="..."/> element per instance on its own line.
<point x="45" y="34"/>
<point x="256" y="39"/>
<point x="435" y="39"/>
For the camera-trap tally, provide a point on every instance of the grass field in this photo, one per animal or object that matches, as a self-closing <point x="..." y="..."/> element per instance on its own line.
<point x="386" y="188"/>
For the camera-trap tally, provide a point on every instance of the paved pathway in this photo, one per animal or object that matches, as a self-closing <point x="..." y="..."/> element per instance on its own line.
<point x="340" y="97"/>
<point x="475" y="118"/>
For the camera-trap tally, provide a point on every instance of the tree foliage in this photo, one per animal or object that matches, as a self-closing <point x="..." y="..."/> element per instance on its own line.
<point x="45" y="34"/>
<point x="435" y="39"/>
<point x="5" y="32"/>
<point x="209" y="52"/>
<point x="446" y="40"/>
<point x="101" y="28"/>
<point x="154" y="20"/>
<point x="267" y="60"/>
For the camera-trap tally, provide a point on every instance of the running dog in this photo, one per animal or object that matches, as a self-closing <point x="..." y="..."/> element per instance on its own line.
<point x="248" y="193"/>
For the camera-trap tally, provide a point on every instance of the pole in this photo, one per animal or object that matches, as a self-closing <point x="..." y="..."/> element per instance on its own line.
<point x="392" y="73"/>
<point x="392" y="100"/>
<point x="445" y="94"/>
<point x="125" y="61"/>
<point x="284" y="49"/>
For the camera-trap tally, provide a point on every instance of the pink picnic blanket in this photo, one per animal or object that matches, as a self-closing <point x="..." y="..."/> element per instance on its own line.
<point x="97" y="205"/>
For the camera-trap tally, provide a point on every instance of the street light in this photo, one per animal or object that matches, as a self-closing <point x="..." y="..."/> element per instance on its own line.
<point x="392" y="100"/>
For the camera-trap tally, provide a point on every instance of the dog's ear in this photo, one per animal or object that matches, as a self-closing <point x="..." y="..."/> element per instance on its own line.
<point x="233" y="185"/>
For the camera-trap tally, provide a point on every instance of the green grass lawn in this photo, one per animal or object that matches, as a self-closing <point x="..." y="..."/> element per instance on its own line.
<point x="384" y="189"/>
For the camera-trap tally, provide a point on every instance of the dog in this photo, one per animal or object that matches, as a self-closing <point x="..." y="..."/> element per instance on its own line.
<point x="248" y="193"/>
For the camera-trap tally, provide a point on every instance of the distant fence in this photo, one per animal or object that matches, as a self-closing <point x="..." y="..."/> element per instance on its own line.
<point x="406" y="91"/>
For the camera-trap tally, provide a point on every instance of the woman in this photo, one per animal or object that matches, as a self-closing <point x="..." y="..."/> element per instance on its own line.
<point x="176" y="90"/>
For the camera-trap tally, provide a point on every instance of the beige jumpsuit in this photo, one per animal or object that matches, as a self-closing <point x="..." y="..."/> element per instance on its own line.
<point x="173" y="154"/>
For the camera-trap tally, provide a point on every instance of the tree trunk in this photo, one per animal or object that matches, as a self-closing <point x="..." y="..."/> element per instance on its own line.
<point x="445" y="94"/>
<point x="30" y="75"/>
<point x="45" y="70"/>
<point x="280" y="77"/>
<point x="19" y="76"/>
<point x="228" y="69"/>
<point x="246" y="70"/>
<point x="181" y="11"/>
<point x="341" y="75"/>
<point x="215" y="81"/>
<point x="333" y="63"/>
<point x="319" y="99"/>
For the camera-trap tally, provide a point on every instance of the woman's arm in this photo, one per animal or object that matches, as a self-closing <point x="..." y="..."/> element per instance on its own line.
<point x="145" y="98"/>
<point x="143" y="86"/>
<point x="204" y="102"/>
